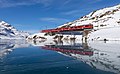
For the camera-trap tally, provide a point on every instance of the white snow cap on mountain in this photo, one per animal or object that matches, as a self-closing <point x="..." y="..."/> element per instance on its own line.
<point x="9" y="32"/>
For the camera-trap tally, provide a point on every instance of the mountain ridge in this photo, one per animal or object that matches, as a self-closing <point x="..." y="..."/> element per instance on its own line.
<point x="97" y="16"/>
<point x="7" y="31"/>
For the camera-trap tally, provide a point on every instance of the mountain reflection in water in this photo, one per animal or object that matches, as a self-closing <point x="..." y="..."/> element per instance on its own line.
<point x="98" y="55"/>
<point x="7" y="46"/>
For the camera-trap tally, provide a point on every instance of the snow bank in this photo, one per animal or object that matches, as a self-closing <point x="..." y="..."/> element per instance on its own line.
<point x="40" y="36"/>
<point x="106" y="34"/>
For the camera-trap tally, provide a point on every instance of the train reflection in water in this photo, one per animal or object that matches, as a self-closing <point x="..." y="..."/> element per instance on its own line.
<point x="70" y="49"/>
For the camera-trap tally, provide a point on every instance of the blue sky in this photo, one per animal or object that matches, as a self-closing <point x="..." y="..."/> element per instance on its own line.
<point x="35" y="15"/>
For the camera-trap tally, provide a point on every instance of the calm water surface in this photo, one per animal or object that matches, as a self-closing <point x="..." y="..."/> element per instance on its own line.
<point x="20" y="57"/>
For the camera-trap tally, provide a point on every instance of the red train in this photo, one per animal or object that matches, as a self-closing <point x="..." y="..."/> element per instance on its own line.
<point x="74" y="28"/>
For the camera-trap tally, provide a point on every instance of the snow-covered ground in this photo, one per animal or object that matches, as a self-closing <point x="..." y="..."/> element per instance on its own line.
<point x="112" y="34"/>
<point x="40" y="36"/>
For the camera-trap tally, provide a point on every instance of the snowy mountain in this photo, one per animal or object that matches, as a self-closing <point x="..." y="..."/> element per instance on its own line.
<point x="9" y="32"/>
<point x="103" y="18"/>
<point x="106" y="18"/>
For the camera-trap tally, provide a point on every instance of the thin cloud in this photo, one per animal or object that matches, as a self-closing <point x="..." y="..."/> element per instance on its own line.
<point x="72" y="12"/>
<point x="13" y="3"/>
<point x="54" y="20"/>
<point x="66" y="2"/>
<point x="77" y="13"/>
<point x="94" y="1"/>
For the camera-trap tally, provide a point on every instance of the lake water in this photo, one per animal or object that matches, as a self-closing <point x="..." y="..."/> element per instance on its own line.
<point x="21" y="57"/>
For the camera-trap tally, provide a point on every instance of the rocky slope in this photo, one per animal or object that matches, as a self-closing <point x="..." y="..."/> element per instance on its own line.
<point x="9" y="32"/>
<point x="106" y="18"/>
<point x="103" y="18"/>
